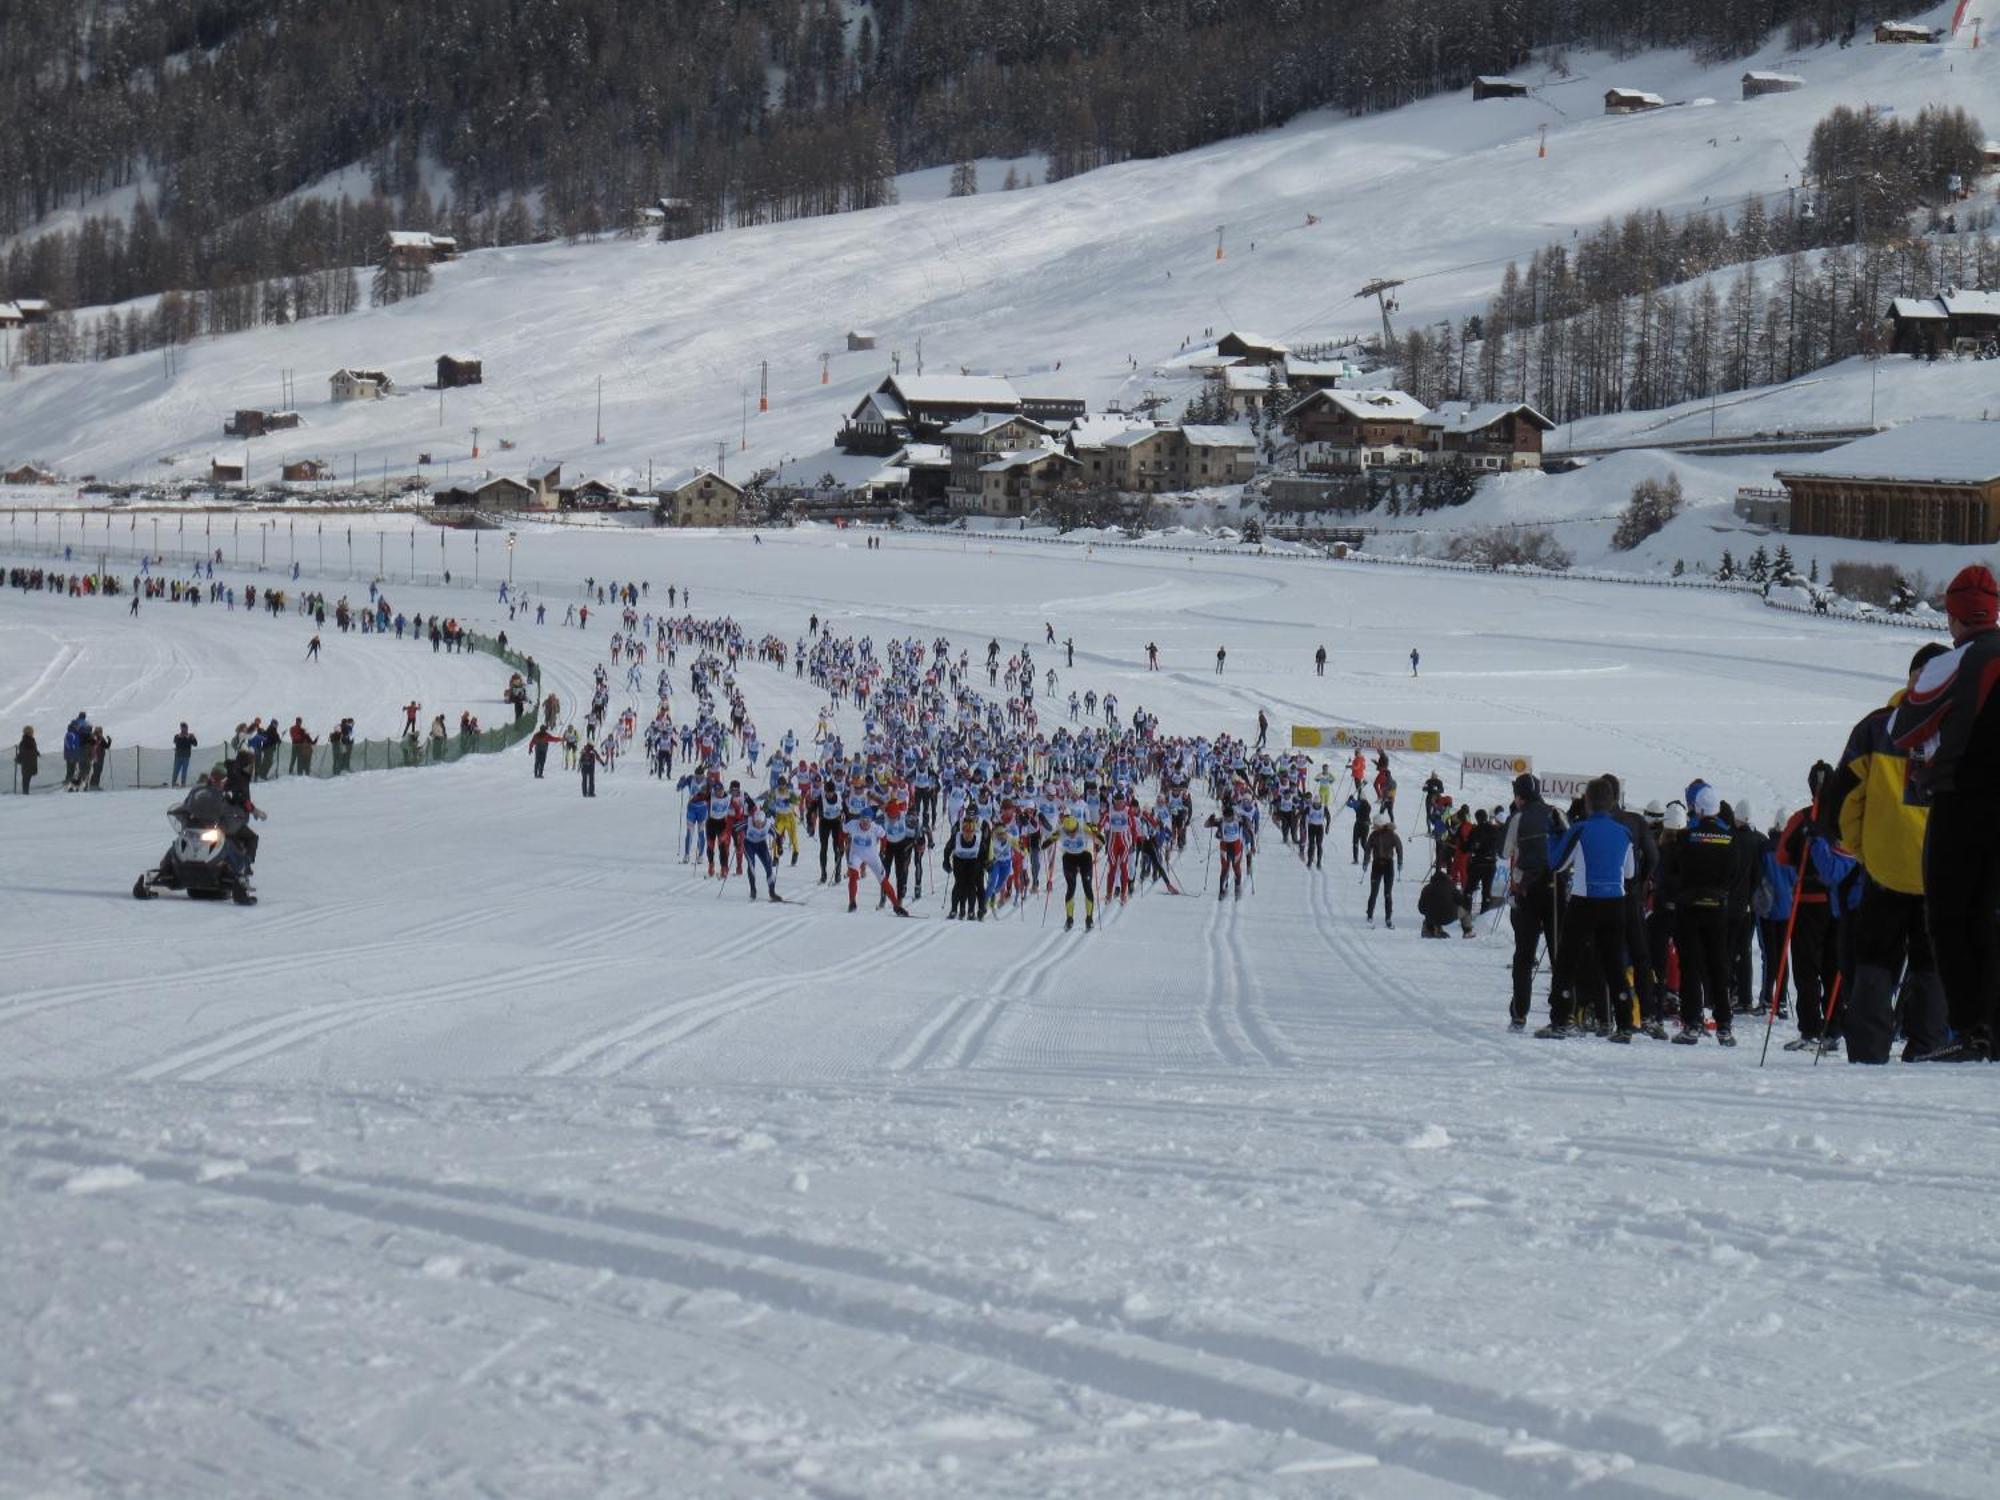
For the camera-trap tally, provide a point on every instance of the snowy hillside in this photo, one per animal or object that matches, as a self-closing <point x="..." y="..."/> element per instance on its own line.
<point x="1090" y="274"/>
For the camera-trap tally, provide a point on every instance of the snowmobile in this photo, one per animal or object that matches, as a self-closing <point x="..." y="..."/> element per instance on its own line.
<point x="205" y="859"/>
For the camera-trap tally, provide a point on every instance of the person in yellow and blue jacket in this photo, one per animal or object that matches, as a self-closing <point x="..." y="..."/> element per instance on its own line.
<point x="1883" y="816"/>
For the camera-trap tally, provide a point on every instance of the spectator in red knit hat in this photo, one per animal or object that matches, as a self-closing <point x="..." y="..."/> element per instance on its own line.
<point x="1950" y="726"/>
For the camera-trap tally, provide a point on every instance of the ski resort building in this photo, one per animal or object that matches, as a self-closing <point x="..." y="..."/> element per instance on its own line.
<point x="918" y="408"/>
<point x="501" y="492"/>
<point x="1631" y="102"/>
<point x="1219" y="455"/>
<point x="1756" y="84"/>
<point x="1924" y="482"/>
<point x="29" y="474"/>
<point x="704" y="498"/>
<point x="1903" y="33"/>
<point x="24" y="310"/>
<point x="977" y="440"/>
<point x="1015" y="484"/>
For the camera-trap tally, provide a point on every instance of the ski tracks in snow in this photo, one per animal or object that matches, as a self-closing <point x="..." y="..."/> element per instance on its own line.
<point x="1370" y="1412"/>
<point x="622" y="1048"/>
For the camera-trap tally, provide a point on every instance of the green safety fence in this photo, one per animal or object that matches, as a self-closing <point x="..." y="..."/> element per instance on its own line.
<point x="148" y="768"/>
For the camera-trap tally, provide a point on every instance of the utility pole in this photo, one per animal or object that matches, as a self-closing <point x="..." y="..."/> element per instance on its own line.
<point x="1379" y="289"/>
<point x="763" y="385"/>
<point x="600" y="408"/>
<point x="825" y="369"/>
<point x="1218" y="240"/>
<point x="721" y="458"/>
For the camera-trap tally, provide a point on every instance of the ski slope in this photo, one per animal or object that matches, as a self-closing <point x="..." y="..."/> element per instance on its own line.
<point x="497" y="1153"/>
<point x="1096" y="283"/>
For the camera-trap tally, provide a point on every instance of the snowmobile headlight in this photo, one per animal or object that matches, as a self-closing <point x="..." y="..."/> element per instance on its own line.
<point x="211" y="835"/>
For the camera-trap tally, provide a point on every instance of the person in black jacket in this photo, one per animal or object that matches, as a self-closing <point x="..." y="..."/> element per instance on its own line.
<point x="1703" y="866"/>
<point x="1747" y="847"/>
<point x="1482" y="850"/>
<point x="1531" y="888"/>
<point x="27" y="757"/>
<point x="1644" y="979"/>
<point x="966" y="854"/>
<point x="1950" y="725"/>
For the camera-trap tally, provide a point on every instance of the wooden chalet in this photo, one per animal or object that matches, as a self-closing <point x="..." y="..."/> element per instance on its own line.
<point x="1491" y="87"/>
<point x="590" y="494"/>
<point x="975" y="441"/>
<point x="1495" y="435"/>
<point x="306" y="471"/>
<point x="1903" y="33"/>
<point x="501" y="492"/>
<point x="1953" y="323"/>
<point x="223" y="469"/>
<point x="29" y="474"/>
<point x="1345" y="430"/>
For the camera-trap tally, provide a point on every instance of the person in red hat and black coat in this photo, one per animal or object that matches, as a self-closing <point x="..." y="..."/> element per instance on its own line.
<point x="1950" y="726"/>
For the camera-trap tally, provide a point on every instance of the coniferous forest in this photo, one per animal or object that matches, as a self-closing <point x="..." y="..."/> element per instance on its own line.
<point x="503" y="121"/>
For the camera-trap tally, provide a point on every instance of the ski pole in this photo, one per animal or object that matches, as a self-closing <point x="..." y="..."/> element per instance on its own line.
<point x="1778" y="985"/>
<point x="1826" y="1021"/>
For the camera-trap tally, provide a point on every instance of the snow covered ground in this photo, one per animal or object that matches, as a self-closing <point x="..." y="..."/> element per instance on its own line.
<point x="497" y="1154"/>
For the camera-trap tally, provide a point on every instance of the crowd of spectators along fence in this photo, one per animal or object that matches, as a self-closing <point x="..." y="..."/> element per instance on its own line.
<point x="146" y="767"/>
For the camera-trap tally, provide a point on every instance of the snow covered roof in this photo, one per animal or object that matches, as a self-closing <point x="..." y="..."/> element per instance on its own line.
<point x="1136" y="436"/>
<point x="226" y="461"/>
<point x="410" y="239"/>
<point x="1917" y="307"/>
<point x="1251" y="378"/>
<point x="982" y="422"/>
<point x="1371" y="406"/>
<point x="1097" y="429"/>
<point x="378" y="376"/>
<point x="1458" y="417"/>
<point x="924" y="456"/>
<point x="1496" y="80"/>
<point x="886" y="405"/>
<point x="1972" y="304"/>
<point x="1219" y="437"/>
<point x="1023" y="458"/>
<point x="32" y="304"/>
<point x="1634" y="96"/>
<point x="9" y="313"/>
<point x="983" y="391"/>
<point x="1936" y="452"/>
<point x="1318" y="369"/>
<point x="1759" y="75"/>
<point x="461" y="359"/>
<point x="1251" y="341"/>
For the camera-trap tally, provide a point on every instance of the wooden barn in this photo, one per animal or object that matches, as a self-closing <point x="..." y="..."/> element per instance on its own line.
<point x="1631" y="102"/>
<point x="455" y="370"/>
<point x="1491" y="87"/>
<point x="1757" y="83"/>
<point x="306" y="471"/>
<point x="1923" y="482"/>
<point x="251" y="422"/>
<point x="1903" y="33"/>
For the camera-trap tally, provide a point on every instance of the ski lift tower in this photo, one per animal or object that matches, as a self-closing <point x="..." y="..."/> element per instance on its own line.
<point x="1379" y="289"/>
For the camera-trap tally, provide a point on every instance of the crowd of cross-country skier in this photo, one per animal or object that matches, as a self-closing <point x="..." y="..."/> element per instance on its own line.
<point x="1867" y="914"/>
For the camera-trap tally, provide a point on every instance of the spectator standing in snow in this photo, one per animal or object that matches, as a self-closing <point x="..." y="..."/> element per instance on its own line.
<point x="27" y="757"/>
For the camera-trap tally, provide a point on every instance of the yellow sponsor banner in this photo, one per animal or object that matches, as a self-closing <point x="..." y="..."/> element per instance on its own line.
<point x="1360" y="737"/>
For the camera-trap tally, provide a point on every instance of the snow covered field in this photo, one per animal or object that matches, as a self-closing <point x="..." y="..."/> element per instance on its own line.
<point x="496" y="1154"/>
